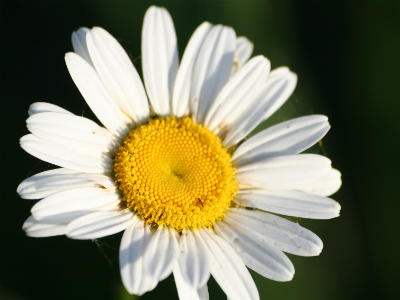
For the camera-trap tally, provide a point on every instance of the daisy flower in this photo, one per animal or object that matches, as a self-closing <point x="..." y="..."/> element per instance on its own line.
<point x="171" y="166"/>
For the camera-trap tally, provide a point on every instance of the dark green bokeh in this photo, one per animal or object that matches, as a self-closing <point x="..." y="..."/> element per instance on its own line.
<point x="346" y="54"/>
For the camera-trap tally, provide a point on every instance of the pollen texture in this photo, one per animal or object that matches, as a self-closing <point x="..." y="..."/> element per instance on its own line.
<point x="175" y="172"/>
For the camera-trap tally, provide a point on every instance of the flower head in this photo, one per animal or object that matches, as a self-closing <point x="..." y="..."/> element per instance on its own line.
<point x="170" y="167"/>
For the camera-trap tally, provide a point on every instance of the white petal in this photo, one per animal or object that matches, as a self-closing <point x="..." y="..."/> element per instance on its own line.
<point x="271" y="96"/>
<point x="96" y="95"/>
<point x="290" y="203"/>
<point x="233" y="97"/>
<point x="262" y="257"/>
<point x="244" y="49"/>
<point x="181" y="93"/>
<point x="287" y="138"/>
<point x="212" y="69"/>
<point x="279" y="72"/>
<point x="80" y="45"/>
<point x="40" y="188"/>
<point x="291" y="172"/>
<point x="193" y="261"/>
<point x="185" y="291"/>
<point x="118" y="74"/>
<point x="133" y="246"/>
<point x="68" y="205"/>
<point x="72" y="131"/>
<point x="27" y="188"/>
<point x="50" y="182"/>
<point x="287" y="236"/>
<point x="99" y="224"/>
<point x="159" y="58"/>
<point x="66" y="157"/>
<point x="41" y="107"/>
<point x="75" y="181"/>
<point x="228" y="269"/>
<point x="34" y="228"/>
<point x="326" y="185"/>
<point x="161" y="253"/>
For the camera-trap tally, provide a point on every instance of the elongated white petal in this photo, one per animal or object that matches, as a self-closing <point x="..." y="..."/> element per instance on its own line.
<point x="80" y="45"/>
<point x="27" y="189"/>
<point x="34" y="228"/>
<point x="118" y="74"/>
<point x="326" y="185"/>
<point x="286" y="235"/>
<point x="284" y="172"/>
<point x="287" y="138"/>
<point x="72" y="131"/>
<point x="262" y="257"/>
<point x="194" y="262"/>
<point x="68" y="205"/>
<point x="66" y="157"/>
<point x="290" y="203"/>
<point x="161" y="254"/>
<point x="41" y="107"/>
<point x="133" y="246"/>
<point x="43" y="185"/>
<point x="236" y="92"/>
<point x="185" y="291"/>
<point x="228" y="269"/>
<point x="75" y="181"/>
<point x="99" y="224"/>
<point x="159" y="58"/>
<point x="96" y="95"/>
<point x="212" y="69"/>
<point x="271" y="96"/>
<point x="181" y="93"/>
<point x="243" y="51"/>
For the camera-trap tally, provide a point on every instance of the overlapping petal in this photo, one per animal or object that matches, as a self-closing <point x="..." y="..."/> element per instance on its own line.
<point x="41" y="107"/>
<point x="235" y="95"/>
<point x="185" y="291"/>
<point x="97" y="96"/>
<point x="28" y="189"/>
<point x="118" y="74"/>
<point x="262" y="257"/>
<point x="194" y="263"/>
<point x="212" y="70"/>
<point x="71" y="131"/>
<point x="66" y="157"/>
<point x="99" y="224"/>
<point x="286" y="138"/>
<point x="50" y="182"/>
<point x="270" y="98"/>
<point x="162" y="253"/>
<point x="133" y="246"/>
<point x="288" y="236"/>
<point x="35" y="228"/>
<point x="243" y="51"/>
<point x="69" y="205"/>
<point x="159" y="58"/>
<point x="290" y="203"/>
<point x="228" y="269"/>
<point x="182" y="86"/>
<point x="291" y="172"/>
<point x="80" y="46"/>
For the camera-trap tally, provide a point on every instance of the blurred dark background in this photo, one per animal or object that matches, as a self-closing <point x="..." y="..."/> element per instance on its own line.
<point x="347" y="57"/>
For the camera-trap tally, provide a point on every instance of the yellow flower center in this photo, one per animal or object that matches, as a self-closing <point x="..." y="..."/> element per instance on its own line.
<point x="175" y="172"/>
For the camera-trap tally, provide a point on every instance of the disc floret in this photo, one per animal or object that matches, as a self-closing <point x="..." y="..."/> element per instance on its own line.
<point x="175" y="172"/>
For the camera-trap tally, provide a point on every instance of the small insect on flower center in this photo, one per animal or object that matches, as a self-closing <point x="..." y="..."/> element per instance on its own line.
<point x="175" y="172"/>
